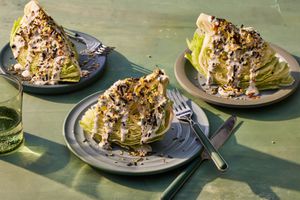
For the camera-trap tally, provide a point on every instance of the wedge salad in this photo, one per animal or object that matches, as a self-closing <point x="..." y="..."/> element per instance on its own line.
<point x="44" y="53"/>
<point x="132" y="113"/>
<point x="236" y="60"/>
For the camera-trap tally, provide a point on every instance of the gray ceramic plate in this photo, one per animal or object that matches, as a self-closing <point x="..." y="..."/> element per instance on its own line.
<point x="7" y="59"/>
<point x="178" y="147"/>
<point x="191" y="81"/>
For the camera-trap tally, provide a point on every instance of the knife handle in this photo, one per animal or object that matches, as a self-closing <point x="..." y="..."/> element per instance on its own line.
<point x="175" y="186"/>
<point x="211" y="150"/>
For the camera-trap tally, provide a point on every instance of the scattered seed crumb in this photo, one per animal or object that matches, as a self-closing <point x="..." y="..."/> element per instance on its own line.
<point x="147" y="159"/>
<point x="149" y="56"/>
<point x="85" y="140"/>
<point x="116" y="162"/>
<point x="273" y="142"/>
<point x="170" y="156"/>
<point x="142" y="163"/>
<point x="181" y="140"/>
<point x="95" y="64"/>
<point x="129" y="164"/>
<point x="106" y="155"/>
<point x="139" y="159"/>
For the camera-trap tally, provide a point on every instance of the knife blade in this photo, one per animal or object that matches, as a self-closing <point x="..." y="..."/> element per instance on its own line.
<point x="217" y="139"/>
<point x="221" y="135"/>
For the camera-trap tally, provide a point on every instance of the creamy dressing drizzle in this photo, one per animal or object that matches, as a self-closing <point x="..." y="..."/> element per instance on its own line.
<point x="96" y="120"/>
<point x="31" y="11"/>
<point x="124" y="129"/>
<point x="212" y="64"/>
<point x="252" y="89"/>
<point x="19" y="43"/>
<point x="243" y="39"/>
<point x="117" y="101"/>
<point x="34" y="25"/>
<point x="225" y="93"/>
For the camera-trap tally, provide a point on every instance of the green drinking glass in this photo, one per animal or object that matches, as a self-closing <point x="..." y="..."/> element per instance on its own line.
<point x="11" y="129"/>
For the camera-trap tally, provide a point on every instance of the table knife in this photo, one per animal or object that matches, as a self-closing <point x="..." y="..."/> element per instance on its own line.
<point x="217" y="139"/>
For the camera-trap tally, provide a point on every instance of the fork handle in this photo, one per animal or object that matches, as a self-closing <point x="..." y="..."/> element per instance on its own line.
<point x="211" y="150"/>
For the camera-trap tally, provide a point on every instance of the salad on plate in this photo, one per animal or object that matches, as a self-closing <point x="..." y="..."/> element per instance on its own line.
<point x="235" y="61"/>
<point x="44" y="53"/>
<point x="132" y="113"/>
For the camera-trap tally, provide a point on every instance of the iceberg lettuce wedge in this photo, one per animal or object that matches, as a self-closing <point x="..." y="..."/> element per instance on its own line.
<point x="132" y="113"/>
<point x="235" y="58"/>
<point x="44" y="53"/>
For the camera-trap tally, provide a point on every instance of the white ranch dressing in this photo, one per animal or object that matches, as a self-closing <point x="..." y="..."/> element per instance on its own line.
<point x="124" y="129"/>
<point x="19" y="43"/>
<point x="96" y="120"/>
<point x="235" y="60"/>
<point x="225" y="93"/>
<point x="212" y="64"/>
<point x="252" y="89"/>
<point x="41" y="47"/>
<point x="31" y="11"/>
<point x="117" y="100"/>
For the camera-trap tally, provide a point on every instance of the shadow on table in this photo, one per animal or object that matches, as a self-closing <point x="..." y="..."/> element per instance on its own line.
<point x="39" y="155"/>
<point x="117" y="67"/>
<point x="54" y="161"/>
<point x="258" y="170"/>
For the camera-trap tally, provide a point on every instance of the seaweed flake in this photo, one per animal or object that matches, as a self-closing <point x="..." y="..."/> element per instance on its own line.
<point x="181" y="140"/>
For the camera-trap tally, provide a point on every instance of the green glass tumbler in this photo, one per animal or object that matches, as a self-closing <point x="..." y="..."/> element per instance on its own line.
<point x="11" y="129"/>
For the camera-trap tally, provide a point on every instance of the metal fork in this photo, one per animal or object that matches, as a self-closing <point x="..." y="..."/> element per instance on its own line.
<point x="184" y="113"/>
<point x="92" y="45"/>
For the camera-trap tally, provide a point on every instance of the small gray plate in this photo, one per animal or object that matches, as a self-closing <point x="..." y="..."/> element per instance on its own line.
<point x="178" y="147"/>
<point x="191" y="81"/>
<point x="7" y="59"/>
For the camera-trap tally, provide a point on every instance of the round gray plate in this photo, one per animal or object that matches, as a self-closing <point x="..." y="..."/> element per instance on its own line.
<point x="190" y="80"/>
<point x="7" y="59"/>
<point x="178" y="147"/>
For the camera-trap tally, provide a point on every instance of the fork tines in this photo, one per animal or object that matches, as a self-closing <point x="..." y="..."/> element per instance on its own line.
<point x="92" y="46"/>
<point x="103" y="49"/>
<point x="180" y="106"/>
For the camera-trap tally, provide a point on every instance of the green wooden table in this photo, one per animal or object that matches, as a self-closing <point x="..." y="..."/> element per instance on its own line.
<point x="263" y="154"/>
